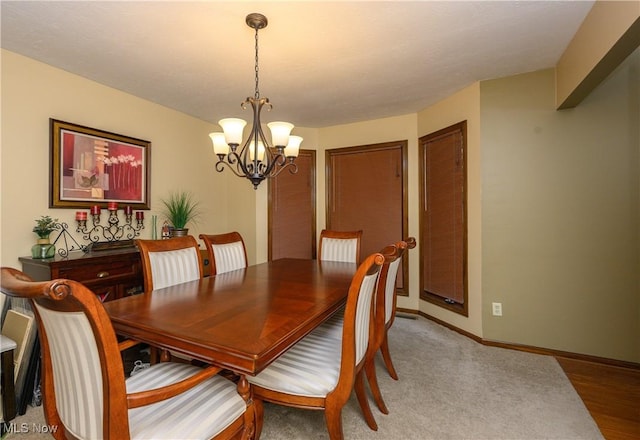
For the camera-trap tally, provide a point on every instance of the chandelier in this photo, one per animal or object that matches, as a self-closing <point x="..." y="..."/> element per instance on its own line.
<point x="257" y="159"/>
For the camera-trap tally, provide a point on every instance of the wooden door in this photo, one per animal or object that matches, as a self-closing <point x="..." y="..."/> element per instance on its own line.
<point x="292" y="211"/>
<point x="443" y="232"/>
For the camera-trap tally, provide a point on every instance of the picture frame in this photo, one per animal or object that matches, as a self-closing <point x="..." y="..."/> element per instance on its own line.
<point x="92" y="167"/>
<point x="22" y="329"/>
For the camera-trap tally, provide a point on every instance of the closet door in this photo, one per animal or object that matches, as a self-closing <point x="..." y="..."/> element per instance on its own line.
<point x="292" y="210"/>
<point x="443" y="231"/>
<point x="366" y="189"/>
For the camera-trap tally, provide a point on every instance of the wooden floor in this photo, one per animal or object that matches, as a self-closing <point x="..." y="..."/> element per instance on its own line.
<point x="611" y="394"/>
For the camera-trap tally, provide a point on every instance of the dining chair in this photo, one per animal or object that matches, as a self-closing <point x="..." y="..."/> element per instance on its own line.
<point x="85" y="394"/>
<point x="339" y="246"/>
<point x="166" y="263"/>
<point x="227" y="252"/>
<point x="320" y="372"/>
<point x="385" y="307"/>
<point x="333" y="329"/>
<point x="390" y="306"/>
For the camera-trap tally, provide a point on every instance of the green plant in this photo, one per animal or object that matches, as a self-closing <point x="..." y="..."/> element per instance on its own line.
<point x="45" y="225"/>
<point x="180" y="209"/>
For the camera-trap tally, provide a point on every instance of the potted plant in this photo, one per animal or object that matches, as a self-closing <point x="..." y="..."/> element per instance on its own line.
<point x="180" y="209"/>
<point x="45" y="225"/>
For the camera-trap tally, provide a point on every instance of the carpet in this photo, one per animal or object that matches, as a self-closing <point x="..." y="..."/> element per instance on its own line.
<point x="450" y="387"/>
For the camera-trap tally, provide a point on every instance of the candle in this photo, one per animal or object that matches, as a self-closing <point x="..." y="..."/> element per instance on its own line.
<point x="128" y="210"/>
<point x="81" y="215"/>
<point x="95" y="210"/>
<point x="112" y="206"/>
<point x="139" y="215"/>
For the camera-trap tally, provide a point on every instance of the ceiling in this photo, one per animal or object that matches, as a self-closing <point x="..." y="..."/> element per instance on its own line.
<point x="321" y="63"/>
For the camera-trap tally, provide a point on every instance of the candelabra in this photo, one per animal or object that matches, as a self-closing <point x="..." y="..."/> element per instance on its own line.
<point x="113" y="234"/>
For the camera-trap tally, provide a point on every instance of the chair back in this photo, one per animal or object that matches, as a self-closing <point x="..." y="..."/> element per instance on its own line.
<point x="83" y="382"/>
<point x="339" y="246"/>
<point x="358" y="323"/>
<point x="389" y="284"/>
<point x="226" y="252"/>
<point x="169" y="262"/>
<point x="390" y="278"/>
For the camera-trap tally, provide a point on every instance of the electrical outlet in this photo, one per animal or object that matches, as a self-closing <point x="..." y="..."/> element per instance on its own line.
<point x="497" y="309"/>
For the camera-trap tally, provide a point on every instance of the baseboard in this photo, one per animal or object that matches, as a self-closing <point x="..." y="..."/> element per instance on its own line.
<point x="527" y="348"/>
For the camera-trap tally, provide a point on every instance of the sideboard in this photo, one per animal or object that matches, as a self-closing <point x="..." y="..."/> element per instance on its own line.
<point x="110" y="274"/>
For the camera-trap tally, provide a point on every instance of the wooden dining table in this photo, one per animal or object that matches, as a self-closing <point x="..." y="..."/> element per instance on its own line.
<point x="240" y="320"/>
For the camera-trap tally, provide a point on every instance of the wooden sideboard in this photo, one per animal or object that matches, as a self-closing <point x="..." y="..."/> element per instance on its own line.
<point x="110" y="274"/>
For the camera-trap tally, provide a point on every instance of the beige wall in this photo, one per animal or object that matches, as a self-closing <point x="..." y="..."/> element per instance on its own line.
<point x="560" y="221"/>
<point x="181" y="155"/>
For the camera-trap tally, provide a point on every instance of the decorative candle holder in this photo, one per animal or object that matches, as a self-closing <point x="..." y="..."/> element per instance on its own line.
<point x="70" y="243"/>
<point x="113" y="231"/>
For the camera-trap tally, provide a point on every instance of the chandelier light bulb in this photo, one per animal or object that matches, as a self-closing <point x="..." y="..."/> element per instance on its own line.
<point x="280" y="133"/>
<point x="220" y="146"/>
<point x="252" y="149"/>
<point x="293" y="147"/>
<point x="233" y="128"/>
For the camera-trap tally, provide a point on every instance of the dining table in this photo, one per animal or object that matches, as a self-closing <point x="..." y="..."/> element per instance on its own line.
<point x="240" y="320"/>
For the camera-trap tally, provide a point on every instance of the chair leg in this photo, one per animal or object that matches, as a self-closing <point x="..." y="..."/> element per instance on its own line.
<point x="364" y="402"/>
<point x="370" y="369"/>
<point x="386" y="356"/>
<point x="159" y="355"/>
<point x="258" y="408"/>
<point x="333" y="417"/>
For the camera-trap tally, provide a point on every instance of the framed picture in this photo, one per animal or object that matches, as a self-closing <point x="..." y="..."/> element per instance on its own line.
<point x="93" y="167"/>
<point x="18" y="324"/>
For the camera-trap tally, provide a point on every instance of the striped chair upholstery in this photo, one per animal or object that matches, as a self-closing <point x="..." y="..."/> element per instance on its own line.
<point x="226" y="252"/>
<point x="76" y="366"/>
<point x="339" y="246"/>
<point x="390" y="288"/>
<point x="332" y="327"/>
<point x="83" y="383"/>
<point x="169" y="262"/>
<point x="212" y="405"/>
<point x="174" y="267"/>
<point x="320" y="371"/>
<point x="229" y="257"/>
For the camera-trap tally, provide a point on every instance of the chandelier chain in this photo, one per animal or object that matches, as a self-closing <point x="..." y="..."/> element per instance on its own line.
<point x="257" y="94"/>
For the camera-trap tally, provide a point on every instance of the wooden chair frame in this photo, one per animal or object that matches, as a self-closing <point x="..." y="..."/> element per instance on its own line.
<point x="71" y="296"/>
<point x="210" y="240"/>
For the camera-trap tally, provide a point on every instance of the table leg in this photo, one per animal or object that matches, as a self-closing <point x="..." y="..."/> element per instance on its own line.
<point x="252" y="425"/>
